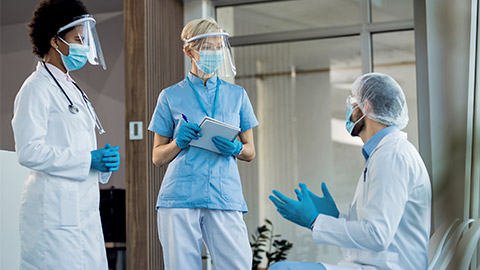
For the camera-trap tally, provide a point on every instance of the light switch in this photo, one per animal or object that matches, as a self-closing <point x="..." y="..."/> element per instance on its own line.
<point x="136" y="130"/>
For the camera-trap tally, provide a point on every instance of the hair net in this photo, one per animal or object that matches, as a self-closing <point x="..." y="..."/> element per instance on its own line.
<point x="385" y="98"/>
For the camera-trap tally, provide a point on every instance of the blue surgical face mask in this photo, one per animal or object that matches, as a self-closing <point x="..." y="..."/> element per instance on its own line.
<point x="77" y="56"/>
<point x="210" y="61"/>
<point x="350" y="125"/>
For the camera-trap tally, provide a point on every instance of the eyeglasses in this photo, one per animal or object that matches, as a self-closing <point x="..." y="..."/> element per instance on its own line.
<point x="350" y="101"/>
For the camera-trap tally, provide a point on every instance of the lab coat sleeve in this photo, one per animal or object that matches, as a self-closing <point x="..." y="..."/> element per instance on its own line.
<point x="385" y="198"/>
<point x="30" y="123"/>
<point x="103" y="177"/>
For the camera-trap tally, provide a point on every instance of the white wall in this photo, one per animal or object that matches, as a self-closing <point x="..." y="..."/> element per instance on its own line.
<point x="12" y="177"/>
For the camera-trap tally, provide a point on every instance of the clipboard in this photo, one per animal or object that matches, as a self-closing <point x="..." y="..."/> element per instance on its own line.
<point x="210" y="128"/>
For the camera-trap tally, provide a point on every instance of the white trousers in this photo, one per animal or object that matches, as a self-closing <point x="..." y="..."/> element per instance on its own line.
<point x="181" y="231"/>
<point x="291" y="265"/>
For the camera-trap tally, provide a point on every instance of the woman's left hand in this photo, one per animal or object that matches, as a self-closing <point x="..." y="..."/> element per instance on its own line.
<point x="226" y="147"/>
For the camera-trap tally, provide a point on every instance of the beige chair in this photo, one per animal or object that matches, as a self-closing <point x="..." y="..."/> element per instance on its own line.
<point x="451" y="244"/>
<point x="437" y="241"/>
<point x="465" y="248"/>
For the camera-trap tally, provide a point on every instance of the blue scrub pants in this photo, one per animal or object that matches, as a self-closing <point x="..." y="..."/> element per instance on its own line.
<point x="286" y="265"/>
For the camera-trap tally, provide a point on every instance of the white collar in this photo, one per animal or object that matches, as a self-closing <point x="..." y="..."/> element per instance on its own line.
<point x="396" y="133"/>
<point x="57" y="73"/>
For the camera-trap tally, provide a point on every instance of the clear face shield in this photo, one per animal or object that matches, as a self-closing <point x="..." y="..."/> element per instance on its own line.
<point x="87" y="33"/>
<point x="350" y="102"/>
<point x="212" y="53"/>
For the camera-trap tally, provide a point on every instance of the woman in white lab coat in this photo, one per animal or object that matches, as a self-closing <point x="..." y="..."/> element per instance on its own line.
<point x="54" y="127"/>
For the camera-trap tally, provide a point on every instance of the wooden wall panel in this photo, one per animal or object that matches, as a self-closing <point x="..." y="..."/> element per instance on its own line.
<point x="153" y="61"/>
<point x="136" y="156"/>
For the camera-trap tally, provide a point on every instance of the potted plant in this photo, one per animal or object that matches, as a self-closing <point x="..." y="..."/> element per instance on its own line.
<point x="266" y="242"/>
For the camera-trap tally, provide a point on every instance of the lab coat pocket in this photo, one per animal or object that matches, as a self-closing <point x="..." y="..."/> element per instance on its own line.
<point x="381" y="260"/>
<point x="63" y="248"/>
<point x="69" y="209"/>
<point x="61" y="207"/>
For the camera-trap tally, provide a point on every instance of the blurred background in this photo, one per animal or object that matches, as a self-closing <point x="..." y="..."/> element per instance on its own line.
<point x="297" y="60"/>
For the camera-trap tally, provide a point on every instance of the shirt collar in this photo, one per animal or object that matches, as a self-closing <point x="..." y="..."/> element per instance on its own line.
<point x="197" y="82"/>
<point x="59" y="75"/>
<point x="373" y="142"/>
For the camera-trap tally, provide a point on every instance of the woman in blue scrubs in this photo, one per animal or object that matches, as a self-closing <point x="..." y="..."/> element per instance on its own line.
<point x="201" y="194"/>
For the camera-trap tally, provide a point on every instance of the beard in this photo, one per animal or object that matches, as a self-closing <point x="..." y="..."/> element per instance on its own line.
<point x="358" y="128"/>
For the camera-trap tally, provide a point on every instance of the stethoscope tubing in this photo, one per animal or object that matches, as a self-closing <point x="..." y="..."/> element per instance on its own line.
<point x="74" y="109"/>
<point x="59" y="86"/>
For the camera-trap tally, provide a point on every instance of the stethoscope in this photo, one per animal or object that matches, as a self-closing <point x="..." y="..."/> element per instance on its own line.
<point x="73" y="108"/>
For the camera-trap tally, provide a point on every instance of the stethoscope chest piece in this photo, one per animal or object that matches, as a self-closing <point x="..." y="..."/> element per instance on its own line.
<point x="73" y="109"/>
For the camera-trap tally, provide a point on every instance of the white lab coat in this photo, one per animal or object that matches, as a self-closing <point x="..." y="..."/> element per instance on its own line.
<point x="388" y="224"/>
<point x="60" y="224"/>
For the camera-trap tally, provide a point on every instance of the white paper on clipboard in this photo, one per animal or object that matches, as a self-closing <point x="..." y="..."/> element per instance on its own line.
<point x="212" y="127"/>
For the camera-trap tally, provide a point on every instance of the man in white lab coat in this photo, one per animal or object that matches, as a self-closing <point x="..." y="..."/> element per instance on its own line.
<point x="388" y="223"/>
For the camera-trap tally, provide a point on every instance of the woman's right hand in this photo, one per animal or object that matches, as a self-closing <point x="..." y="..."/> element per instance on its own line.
<point x="186" y="133"/>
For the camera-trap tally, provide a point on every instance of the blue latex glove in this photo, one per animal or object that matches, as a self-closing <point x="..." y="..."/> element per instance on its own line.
<point x="98" y="155"/>
<point x="186" y="133"/>
<point x="112" y="158"/>
<point x="302" y="212"/>
<point x="324" y="205"/>
<point x="226" y="147"/>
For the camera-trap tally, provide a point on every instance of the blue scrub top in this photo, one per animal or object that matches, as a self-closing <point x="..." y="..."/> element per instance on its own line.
<point x="199" y="178"/>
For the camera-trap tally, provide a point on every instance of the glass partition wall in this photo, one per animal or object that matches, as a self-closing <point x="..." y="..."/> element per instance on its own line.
<point x="297" y="60"/>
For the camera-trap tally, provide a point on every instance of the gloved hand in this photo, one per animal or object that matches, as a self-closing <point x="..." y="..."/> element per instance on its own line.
<point x="186" y="133"/>
<point x="324" y="205"/>
<point x="106" y="153"/>
<point x="302" y="212"/>
<point x="112" y="158"/>
<point x="226" y="147"/>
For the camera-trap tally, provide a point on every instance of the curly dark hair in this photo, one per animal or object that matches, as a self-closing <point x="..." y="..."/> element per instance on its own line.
<point x="48" y="17"/>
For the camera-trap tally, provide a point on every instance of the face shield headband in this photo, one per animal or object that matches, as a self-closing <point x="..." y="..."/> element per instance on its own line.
<point x="85" y="27"/>
<point x="215" y="54"/>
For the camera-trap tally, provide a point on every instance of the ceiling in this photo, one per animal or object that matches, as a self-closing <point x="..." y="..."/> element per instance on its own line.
<point x="278" y="16"/>
<point x="20" y="11"/>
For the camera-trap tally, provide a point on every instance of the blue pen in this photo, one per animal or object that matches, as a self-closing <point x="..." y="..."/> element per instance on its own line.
<point x="184" y="118"/>
<point x="365" y="175"/>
